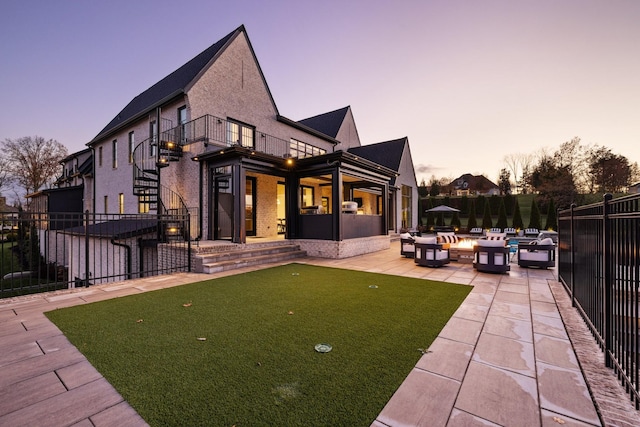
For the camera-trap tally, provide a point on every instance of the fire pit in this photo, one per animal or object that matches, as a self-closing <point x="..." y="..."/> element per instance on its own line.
<point x="463" y="251"/>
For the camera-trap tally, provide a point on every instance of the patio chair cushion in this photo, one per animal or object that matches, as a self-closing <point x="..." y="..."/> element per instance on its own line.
<point x="447" y="237"/>
<point x="495" y="243"/>
<point x="426" y="240"/>
<point x="406" y="236"/>
<point x="439" y="255"/>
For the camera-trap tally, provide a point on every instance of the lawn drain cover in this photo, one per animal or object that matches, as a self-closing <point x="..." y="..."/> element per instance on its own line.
<point x="323" y="348"/>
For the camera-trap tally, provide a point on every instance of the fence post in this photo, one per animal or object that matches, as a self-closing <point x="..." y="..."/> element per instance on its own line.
<point x="86" y="248"/>
<point x="607" y="285"/>
<point x="572" y="255"/>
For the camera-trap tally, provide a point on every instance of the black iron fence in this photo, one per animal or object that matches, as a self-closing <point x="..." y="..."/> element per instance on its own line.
<point x="599" y="265"/>
<point x="49" y="251"/>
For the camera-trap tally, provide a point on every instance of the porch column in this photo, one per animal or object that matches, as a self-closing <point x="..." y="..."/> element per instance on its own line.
<point x="336" y="196"/>
<point x="292" y="210"/>
<point x="239" y="189"/>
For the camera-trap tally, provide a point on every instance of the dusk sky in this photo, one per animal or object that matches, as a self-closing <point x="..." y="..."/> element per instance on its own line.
<point x="467" y="82"/>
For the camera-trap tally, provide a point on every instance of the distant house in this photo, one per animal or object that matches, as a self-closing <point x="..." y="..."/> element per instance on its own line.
<point x="634" y="189"/>
<point x="468" y="184"/>
<point x="208" y="139"/>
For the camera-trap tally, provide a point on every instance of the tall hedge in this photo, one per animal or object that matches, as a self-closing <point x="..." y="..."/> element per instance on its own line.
<point x="534" y="220"/>
<point x="472" y="222"/>
<point x="455" y="221"/>
<point x="552" y="218"/>
<point x="517" y="223"/>
<point x="502" y="215"/>
<point x="487" y="222"/>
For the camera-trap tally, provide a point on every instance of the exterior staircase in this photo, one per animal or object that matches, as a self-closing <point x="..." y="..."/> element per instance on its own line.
<point x="224" y="257"/>
<point x="149" y="157"/>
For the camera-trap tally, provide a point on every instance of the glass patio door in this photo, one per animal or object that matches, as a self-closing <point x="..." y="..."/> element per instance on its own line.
<point x="223" y="208"/>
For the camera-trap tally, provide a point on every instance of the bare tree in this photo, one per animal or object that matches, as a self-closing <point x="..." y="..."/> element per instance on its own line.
<point x="4" y="172"/>
<point x="519" y="165"/>
<point x="32" y="162"/>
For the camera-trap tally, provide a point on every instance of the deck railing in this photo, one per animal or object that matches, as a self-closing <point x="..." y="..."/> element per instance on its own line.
<point x="599" y="265"/>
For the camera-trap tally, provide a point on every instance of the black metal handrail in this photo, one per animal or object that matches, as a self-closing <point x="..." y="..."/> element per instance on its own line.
<point x="599" y="265"/>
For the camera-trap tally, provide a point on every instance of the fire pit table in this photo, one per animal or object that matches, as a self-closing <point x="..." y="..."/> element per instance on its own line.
<point x="463" y="251"/>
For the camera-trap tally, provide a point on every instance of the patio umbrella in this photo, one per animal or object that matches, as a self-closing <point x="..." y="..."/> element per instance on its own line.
<point x="443" y="208"/>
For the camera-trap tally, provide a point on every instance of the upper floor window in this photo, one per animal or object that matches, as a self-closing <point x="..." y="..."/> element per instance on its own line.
<point x="100" y="156"/>
<point x="240" y="134"/>
<point x="301" y="149"/>
<point x="121" y="203"/>
<point x="132" y="145"/>
<point x="114" y="154"/>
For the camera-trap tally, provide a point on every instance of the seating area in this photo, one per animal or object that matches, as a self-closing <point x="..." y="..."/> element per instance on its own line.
<point x="490" y="253"/>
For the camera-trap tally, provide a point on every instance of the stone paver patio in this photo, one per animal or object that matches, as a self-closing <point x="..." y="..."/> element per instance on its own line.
<point x="504" y="358"/>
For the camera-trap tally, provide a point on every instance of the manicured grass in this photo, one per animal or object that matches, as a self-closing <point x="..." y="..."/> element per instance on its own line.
<point x="258" y="365"/>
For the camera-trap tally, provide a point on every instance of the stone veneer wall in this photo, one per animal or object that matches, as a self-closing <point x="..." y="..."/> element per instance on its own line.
<point x="345" y="248"/>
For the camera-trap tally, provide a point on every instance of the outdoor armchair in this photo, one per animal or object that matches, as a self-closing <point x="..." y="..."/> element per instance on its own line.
<point x="541" y="254"/>
<point x="430" y="253"/>
<point x="407" y="248"/>
<point x="491" y="256"/>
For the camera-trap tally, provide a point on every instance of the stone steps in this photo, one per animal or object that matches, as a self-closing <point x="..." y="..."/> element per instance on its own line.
<point x="232" y="259"/>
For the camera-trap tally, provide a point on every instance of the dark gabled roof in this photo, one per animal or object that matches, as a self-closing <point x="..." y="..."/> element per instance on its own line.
<point x="117" y="229"/>
<point x="327" y="123"/>
<point x="86" y="168"/>
<point x="387" y="154"/>
<point x="169" y="87"/>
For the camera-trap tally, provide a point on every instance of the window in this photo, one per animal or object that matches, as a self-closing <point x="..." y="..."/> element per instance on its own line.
<point x="306" y="196"/>
<point x="301" y="149"/>
<point x="114" y="154"/>
<point x="132" y="146"/>
<point x="240" y="134"/>
<point x="106" y="204"/>
<point x="153" y="135"/>
<point x="100" y="156"/>
<point x="182" y="120"/>
<point x="406" y="206"/>
<point x="143" y="204"/>
<point x="121" y="203"/>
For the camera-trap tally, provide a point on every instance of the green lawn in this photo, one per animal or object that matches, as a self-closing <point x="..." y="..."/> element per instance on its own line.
<point x="258" y="365"/>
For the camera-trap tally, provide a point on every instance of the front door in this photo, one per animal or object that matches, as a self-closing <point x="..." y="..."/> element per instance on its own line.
<point x="223" y="208"/>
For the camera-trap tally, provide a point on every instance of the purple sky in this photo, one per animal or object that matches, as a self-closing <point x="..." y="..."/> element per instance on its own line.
<point x="467" y="81"/>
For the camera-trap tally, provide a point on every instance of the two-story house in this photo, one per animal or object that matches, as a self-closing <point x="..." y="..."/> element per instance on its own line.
<point x="208" y="139"/>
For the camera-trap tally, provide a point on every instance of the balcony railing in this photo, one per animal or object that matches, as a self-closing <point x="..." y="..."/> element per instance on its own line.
<point x="213" y="130"/>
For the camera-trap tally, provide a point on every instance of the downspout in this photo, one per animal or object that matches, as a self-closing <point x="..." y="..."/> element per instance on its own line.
<point x="128" y="254"/>
<point x="200" y="206"/>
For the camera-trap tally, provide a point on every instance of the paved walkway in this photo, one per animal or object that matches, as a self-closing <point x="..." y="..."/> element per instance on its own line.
<point x="504" y="358"/>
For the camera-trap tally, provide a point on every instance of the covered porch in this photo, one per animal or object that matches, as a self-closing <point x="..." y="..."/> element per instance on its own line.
<point x="333" y="205"/>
